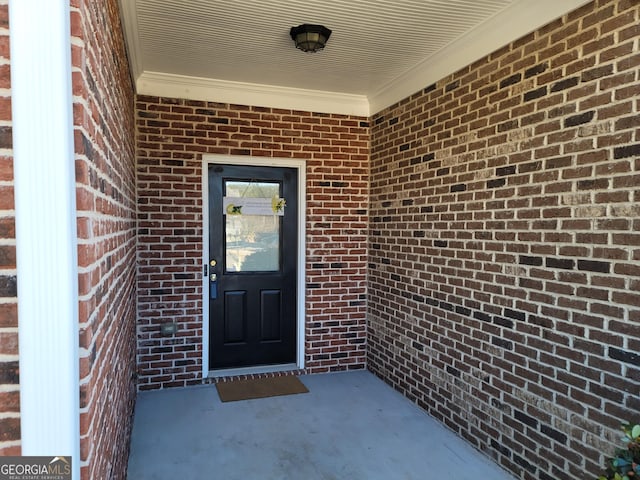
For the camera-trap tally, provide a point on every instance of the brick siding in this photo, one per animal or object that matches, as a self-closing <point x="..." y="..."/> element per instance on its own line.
<point x="104" y="134"/>
<point x="9" y="375"/>
<point x="504" y="246"/>
<point x="173" y="135"/>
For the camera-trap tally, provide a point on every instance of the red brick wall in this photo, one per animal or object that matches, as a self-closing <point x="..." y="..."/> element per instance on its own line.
<point x="104" y="133"/>
<point x="504" y="245"/>
<point x="172" y="137"/>
<point x="9" y="377"/>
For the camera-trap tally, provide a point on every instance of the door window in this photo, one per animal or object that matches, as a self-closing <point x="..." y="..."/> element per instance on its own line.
<point x="252" y="242"/>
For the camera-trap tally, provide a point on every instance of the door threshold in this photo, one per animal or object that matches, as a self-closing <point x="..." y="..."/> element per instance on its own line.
<point x="232" y="372"/>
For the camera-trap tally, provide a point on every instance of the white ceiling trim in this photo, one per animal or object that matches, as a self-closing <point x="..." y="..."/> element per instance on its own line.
<point x="129" y="20"/>
<point x="207" y="89"/>
<point x="514" y="22"/>
<point x="520" y="18"/>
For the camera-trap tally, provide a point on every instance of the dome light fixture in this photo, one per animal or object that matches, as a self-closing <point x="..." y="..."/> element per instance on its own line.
<point x="310" y="38"/>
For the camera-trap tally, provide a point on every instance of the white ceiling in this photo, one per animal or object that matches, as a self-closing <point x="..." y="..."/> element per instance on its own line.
<point x="380" y="51"/>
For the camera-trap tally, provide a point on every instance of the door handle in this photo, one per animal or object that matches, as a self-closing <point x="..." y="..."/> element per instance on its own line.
<point x="213" y="286"/>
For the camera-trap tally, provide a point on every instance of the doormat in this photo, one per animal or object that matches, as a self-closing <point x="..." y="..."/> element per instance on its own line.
<point x="259" y="388"/>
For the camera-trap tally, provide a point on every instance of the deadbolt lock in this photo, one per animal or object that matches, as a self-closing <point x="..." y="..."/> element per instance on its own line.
<point x="213" y="263"/>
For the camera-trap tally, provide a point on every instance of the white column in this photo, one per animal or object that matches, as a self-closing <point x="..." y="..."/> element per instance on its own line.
<point x="45" y="227"/>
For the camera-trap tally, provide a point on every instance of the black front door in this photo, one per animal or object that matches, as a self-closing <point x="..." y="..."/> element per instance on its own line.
<point x="253" y="231"/>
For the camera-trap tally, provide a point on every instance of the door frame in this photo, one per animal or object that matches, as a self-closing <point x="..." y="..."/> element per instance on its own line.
<point x="300" y="166"/>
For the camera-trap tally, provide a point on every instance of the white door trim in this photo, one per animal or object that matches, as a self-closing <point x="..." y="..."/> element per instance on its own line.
<point x="300" y="166"/>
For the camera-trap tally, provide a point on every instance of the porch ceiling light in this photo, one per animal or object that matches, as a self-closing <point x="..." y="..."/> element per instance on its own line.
<point x="310" y="38"/>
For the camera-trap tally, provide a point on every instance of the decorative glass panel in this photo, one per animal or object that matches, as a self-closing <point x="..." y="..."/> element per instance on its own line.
<point x="252" y="241"/>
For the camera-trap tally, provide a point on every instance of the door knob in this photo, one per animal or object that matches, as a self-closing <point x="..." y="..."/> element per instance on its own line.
<point x="213" y="277"/>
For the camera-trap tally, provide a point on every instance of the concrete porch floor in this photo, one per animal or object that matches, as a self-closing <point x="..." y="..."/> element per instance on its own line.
<point x="349" y="426"/>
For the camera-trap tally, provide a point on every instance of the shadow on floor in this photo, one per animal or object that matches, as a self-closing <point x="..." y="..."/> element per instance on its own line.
<point x="349" y="426"/>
